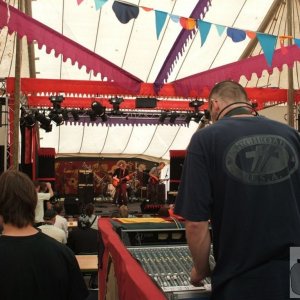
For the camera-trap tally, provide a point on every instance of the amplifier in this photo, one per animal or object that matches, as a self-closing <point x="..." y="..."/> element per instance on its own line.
<point x="170" y="268"/>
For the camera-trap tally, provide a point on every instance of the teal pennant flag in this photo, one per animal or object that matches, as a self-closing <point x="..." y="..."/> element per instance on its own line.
<point x="220" y="29"/>
<point x="297" y="42"/>
<point x="268" y="43"/>
<point x="100" y="3"/>
<point x="160" y="19"/>
<point x="204" y="28"/>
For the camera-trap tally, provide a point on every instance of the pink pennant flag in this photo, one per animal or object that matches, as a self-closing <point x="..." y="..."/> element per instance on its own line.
<point x="79" y="2"/>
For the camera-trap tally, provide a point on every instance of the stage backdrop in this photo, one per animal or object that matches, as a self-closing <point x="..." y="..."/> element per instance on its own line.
<point x="68" y="173"/>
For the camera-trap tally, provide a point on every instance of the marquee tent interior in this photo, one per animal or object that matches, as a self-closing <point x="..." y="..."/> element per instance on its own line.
<point x="172" y="50"/>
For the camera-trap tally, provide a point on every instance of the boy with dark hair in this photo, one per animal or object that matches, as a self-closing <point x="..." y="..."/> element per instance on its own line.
<point x="32" y="265"/>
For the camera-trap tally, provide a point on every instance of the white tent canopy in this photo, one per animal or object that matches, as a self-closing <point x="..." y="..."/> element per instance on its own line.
<point x="135" y="48"/>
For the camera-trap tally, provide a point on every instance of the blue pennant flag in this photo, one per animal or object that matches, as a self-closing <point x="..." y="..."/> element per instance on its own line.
<point x="268" y="43"/>
<point x="204" y="28"/>
<point x="100" y="3"/>
<point x="297" y="42"/>
<point x="160" y="19"/>
<point x="236" y="35"/>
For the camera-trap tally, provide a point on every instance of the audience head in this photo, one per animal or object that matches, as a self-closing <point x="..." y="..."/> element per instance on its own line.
<point x="58" y="207"/>
<point x="49" y="216"/>
<point x="84" y="222"/>
<point x="89" y="209"/>
<point x="18" y="199"/>
<point x="123" y="210"/>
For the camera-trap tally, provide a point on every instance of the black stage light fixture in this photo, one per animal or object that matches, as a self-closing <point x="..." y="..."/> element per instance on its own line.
<point x="65" y="114"/>
<point x="92" y="115"/>
<point x="75" y="114"/>
<point x="45" y="123"/>
<point x="27" y="118"/>
<point x="196" y="104"/>
<point x="197" y="117"/>
<point x="104" y="117"/>
<point x="55" y="117"/>
<point x="56" y="101"/>
<point x="99" y="110"/>
<point x="145" y="102"/>
<point x="173" y="117"/>
<point x="115" y="102"/>
<point x="188" y="118"/>
<point x="163" y="116"/>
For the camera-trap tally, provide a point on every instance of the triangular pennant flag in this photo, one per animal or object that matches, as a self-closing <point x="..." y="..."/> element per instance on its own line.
<point x="268" y="43"/>
<point x="188" y="23"/>
<point x="236" y="35"/>
<point x="160" y="18"/>
<point x="220" y="29"/>
<point x="99" y="3"/>
<point x="204" y="28"/>
<point x="79" y="2"/>
<point x="146" y="8"/>
<point x="297" y="42"/>
<point x="175" y="18"/>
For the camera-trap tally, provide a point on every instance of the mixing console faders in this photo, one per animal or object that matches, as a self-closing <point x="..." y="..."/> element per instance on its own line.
<point x="170" y="268"/>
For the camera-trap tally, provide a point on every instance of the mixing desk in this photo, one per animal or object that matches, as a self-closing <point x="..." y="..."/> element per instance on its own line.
<point x="169" y="267"/>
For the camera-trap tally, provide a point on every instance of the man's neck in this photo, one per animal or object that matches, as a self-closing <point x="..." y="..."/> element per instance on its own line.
<point x="11" y="230"/>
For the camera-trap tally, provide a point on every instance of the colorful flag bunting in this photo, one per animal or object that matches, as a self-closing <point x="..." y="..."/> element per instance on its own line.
<point x="268" y="43"/>
<point x="99" y="3"/>
<point x="160" y="19"/>
<point x="236" y="35"/>
<point x="204" y="28"/>
<point x="220" y="29"/>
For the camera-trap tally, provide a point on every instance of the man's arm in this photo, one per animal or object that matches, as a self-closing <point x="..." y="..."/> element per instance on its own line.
<point x="49" y="187"/>
<point x="198" y="238"/>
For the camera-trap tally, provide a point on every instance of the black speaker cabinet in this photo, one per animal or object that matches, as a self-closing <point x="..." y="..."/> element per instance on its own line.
<point x="72" y="206"/>
<point x="176" y="164"/>
<point x="145" y="102"/>
<point x="45" y="167"/>
<point x="86" y="193"/>
<point x="85" y="177"/>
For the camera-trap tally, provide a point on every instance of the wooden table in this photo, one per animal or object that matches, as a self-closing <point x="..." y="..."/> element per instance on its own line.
<point x="88" y="263"/>
<point x="72" y="224"/>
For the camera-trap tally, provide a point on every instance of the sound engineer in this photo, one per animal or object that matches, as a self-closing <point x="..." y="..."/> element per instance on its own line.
<point x="243" y="173"/>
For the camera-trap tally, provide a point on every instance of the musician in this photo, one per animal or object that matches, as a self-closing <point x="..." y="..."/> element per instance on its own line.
<point x="120" y="178"/>
<point x="154" y="181"/>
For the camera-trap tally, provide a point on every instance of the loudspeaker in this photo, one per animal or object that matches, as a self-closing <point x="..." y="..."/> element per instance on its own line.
<point x="45" y="167"/>
<point x="85" y="177"/>
<point x="86" y="193"/>
<point x="72" y="206"/>
<point x="145" y="102"/>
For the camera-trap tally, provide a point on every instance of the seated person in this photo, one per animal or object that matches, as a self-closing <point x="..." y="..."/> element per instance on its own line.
<point x="60" y="221"/>
<point x="83" y="239"/>
<point x="89" y="211"/>
<point x="49" y="228"/>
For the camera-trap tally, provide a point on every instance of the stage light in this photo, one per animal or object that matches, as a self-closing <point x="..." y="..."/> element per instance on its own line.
<point x="104" y="117"/>
<point x="93" y="115"/>
<point x="173" y="117"/>
<point x="196" y="104"/>
<point x="115" y="102"/>
<point x="98" y="108"/>
<point x="75" y="114"/>
<point x="55" y="117"/>
<point x="27" y="118"/>
<point x="197" y="117"/>
<point x="188" y="118"/>
<point x="45" y="123"/>
<point x="163" y="116"/>
<point x="56" y="101"/>
<point x="65" y="114"/>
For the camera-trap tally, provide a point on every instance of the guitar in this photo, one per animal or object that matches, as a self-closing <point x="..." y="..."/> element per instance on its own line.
<point x="154" y="179"/>
<point x="116" y="181"/>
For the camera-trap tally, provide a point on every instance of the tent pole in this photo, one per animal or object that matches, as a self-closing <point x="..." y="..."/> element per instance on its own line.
<point x="16" y="121"/>
<point x="30" y="46"/>
<point x="263" y="26"/>
<point x="290" y="96"/>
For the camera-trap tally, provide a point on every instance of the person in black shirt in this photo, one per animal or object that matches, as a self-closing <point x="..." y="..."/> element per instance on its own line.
<point x="243" y="174"/>
<point x="32" y="265"/>
<point x="120" y="178"/>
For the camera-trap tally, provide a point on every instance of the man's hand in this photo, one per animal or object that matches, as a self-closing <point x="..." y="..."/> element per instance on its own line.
<point x="196" y="278"/>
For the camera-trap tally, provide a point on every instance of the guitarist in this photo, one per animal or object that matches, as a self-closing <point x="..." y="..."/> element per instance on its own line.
<point x="120" y="177"/>
<point x="154" y="181"/>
